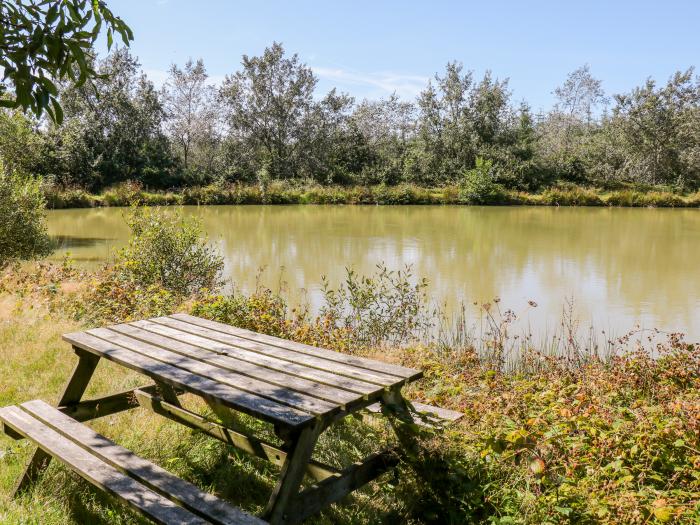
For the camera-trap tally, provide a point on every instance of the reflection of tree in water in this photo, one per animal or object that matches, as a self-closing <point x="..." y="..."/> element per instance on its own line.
<point x="618" y="264"/>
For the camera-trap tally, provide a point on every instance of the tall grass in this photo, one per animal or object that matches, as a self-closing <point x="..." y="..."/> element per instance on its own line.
<point x="129" y="194"/>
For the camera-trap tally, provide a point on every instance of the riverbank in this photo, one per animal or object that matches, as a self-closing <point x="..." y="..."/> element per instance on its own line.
<point x="283" y="193"/>
<point x="563" y="435"/>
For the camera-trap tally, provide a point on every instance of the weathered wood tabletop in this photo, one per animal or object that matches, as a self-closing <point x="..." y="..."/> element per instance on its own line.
<point x="299" y="388"/>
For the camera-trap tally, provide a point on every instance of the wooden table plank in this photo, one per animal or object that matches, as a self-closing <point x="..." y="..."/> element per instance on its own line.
<point x="361" y="362"/>
<point x="254" y="386"/>
<point x="144" y="471"/>
<point x="245" y="351"/>
<point x="109" y="479"/>
<point x="207" y="388"/>
<point x="231" y="363"/>
<point x="378" y="378"/>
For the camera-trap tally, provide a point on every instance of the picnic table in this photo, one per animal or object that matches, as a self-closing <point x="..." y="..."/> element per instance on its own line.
<point x="300" y="389"/>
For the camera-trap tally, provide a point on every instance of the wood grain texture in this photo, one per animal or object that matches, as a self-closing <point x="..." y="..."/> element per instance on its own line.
<point x="145" y="472"/>
<point x="280" y="394"/>
<point x="202" y="386"/>
<point x="231" y="363"/>
<point x="282" y="353"/>
<point x="147" y="502"/>
<point x="359" y="362"/>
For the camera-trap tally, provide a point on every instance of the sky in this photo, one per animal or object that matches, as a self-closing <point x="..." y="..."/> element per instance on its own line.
<point x="370" y="49"/>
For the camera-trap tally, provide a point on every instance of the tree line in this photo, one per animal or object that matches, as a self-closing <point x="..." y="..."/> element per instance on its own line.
<point x="268" y="122"/>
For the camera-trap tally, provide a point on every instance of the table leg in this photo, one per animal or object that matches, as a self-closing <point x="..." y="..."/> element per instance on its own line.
<point x="167" y="393"/>
<point x="287" y="488"/>
<point x="72" y="393"/>
<point x="394" y="405"/>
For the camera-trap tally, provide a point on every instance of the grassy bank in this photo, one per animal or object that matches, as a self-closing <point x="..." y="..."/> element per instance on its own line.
<point x="283" y="193"/>
<point x="568" y="433"/>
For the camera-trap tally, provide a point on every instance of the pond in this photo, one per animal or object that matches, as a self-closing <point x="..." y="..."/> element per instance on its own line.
<point x="618" y="267"/>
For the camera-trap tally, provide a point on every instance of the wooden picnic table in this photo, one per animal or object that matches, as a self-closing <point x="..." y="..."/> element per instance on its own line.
<point x="300" y="389"/>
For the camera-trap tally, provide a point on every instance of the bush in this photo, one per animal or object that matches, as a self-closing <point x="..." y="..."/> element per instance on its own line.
<point x="124" y="194"/>
<point x="571" y="195"/>
<point x="22" y="219"/>
<point x="478" y="186"/>
<point x="168" y="250"/>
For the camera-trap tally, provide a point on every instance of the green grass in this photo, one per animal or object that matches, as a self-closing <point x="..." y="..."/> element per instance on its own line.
<point x="34" y="363"/>
<point x="284" y="193"/>
<point x="559" y="438"/>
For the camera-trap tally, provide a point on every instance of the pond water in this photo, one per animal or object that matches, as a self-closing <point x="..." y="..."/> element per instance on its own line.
<point x="619" y="267"/>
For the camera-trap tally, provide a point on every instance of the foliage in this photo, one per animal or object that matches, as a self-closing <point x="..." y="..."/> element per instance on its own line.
<point x="384" y="308"/>
<point x="478" y="185"/>
<point x="267" y="119"/>
<point x="50" y="40"/>
<point x="167" y="252"/>
<point x="570" y="436"/>
<point x="22" y="222"/>
<point x="112" y="130"/>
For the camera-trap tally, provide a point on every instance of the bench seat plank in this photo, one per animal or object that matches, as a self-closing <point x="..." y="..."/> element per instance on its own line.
<point x="205" y="387"/>
<point x="431" y="412"/>
<point x="138" y="468"/>
<point x="156" y="507"/>
<point x="410" y="374"/>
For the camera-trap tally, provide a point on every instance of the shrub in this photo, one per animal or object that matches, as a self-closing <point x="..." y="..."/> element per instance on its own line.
<point x="126" y="193"/>
<point x="22" y="219"/>
<point x="571" y="196"/>
<point x="478" y="186"/>
<point x="168" y="250"/>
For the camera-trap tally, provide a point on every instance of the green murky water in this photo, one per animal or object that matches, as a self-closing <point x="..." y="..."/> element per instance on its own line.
<point x="620" y="267"/>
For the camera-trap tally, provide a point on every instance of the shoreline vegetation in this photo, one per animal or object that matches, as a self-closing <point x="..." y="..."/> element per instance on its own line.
<point x="281" y="193"/>
<point x="267" y="135"/>
<point x="567" y="430"/>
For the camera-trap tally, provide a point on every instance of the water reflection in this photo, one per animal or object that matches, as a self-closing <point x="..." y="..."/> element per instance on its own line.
<point x="620" y="266"/>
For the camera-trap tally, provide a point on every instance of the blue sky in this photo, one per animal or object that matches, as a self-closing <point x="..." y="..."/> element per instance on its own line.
<point x="371" y="48"/>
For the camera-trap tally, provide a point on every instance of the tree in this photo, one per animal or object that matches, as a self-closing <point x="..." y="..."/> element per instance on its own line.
<point x="580" y="94"/>
<point x="113" y="131"/>
<point x="191" y="117"/>
<point x="458" y="121"/>
<point x="268" y="105"/>
<point x="42" y="41"/>
<point x="387" y="127"/>
<point x="658" y="129"/>
<point x="22" y="221"/>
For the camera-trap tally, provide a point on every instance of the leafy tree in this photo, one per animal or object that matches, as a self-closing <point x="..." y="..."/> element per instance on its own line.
<point x="580" y="94"/>
<point x="21" y="142"/>
<point x="658" y="131"/>
<point x="42" y="41"/>
<point x="478" y="185"/>
<point x="268" y="106"/>
<point x="22" y="218"/>
<point x="191" y="119"/>
<point x="387" y="127"/>
<point x="333" y="148"/>
<point x="113" y="132"/>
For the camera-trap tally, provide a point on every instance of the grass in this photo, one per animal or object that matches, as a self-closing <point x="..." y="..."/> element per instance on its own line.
<point x="284" y="193"/>
<point x="565" y="434"/>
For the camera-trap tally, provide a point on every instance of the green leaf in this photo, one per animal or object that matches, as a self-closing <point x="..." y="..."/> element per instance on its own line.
<point x="58" y="111"/>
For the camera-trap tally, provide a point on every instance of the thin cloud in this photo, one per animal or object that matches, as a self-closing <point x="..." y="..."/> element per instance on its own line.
<point x="405" y="86"/>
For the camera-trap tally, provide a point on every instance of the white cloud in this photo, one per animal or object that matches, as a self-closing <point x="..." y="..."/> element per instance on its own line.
<point x="369" y="85"/>
<point x="384" y="83"/>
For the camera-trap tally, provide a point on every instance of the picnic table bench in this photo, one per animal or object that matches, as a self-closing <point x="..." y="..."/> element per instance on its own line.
<point x="300" y="389"/>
